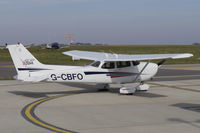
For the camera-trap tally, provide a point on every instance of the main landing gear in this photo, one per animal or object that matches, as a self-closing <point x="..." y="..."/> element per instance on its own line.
<point x="132" y="89"/>
<point x="126" y="90"/>
<point x="103" y="87"/>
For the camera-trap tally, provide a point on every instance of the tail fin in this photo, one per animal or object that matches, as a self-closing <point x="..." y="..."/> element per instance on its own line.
<point x="23" y="60"/>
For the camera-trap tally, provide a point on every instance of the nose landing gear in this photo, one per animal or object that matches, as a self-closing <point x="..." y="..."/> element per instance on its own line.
<point x="132" y="89"/>
<point x="142" y="87"/>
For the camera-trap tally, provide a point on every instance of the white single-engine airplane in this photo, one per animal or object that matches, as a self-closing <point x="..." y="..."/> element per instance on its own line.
<point x="106" y="68"/>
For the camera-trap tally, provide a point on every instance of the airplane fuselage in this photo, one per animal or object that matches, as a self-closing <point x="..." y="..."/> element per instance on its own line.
<point x="140" y="72"/>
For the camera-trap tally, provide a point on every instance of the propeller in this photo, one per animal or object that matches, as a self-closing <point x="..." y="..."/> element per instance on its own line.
<point x="161" y="62"/>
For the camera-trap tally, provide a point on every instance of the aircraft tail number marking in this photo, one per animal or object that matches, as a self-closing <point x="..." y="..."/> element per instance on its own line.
<point x="72" y="76"/>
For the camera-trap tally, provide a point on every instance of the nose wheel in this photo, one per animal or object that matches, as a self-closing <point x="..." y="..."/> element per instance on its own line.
<point x="142" y="87"/>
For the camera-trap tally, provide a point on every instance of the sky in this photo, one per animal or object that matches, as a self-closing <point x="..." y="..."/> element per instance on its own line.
<point x="100" y="21"/>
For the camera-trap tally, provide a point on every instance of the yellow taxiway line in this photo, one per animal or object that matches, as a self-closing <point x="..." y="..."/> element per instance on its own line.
<point x="195" y="108"/>
<point x="28" y="114"/>
<point x="28" y="111"/>
<point x="188" y="67"/>
<point x="6" y="66"/>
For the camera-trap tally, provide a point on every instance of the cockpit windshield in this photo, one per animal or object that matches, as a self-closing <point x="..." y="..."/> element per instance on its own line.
<point x="95" y="64"/>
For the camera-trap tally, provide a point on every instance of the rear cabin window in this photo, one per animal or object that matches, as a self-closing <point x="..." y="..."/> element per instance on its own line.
<point x="96" y="64"/>
<point x="122" y="64"/>
<point x="108" y="65"/>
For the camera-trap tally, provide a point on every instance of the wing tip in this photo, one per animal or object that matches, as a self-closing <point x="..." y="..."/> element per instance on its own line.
<point x="185" y="55"/>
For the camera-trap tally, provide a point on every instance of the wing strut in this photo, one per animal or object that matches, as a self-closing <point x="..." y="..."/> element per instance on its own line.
<point x="141" y="71"/>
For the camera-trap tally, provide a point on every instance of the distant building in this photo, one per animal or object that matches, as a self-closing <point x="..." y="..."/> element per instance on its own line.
<point x="54" y="45"/>
<point x="196" y="43"/>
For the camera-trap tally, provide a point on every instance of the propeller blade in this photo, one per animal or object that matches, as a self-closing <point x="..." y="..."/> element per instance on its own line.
<point x="161" y="62"/>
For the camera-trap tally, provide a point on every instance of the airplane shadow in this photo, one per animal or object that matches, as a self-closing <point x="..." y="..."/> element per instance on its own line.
<point x="46" y="94"/>
<point x="84" y="88"/>
<point x="188" y="106"/>
<point x="113" y="90"/>
<point x="81" y="85"/>
<point x="148" y="95"/>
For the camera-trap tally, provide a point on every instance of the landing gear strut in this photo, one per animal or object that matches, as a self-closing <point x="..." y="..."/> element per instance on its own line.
<point x="103" y="87"/>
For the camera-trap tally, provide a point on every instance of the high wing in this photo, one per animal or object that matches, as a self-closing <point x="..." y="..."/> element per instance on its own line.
<point x="100" y="56"/>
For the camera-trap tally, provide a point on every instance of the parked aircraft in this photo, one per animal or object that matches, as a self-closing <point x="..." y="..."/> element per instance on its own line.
<point x="106" y="69"/>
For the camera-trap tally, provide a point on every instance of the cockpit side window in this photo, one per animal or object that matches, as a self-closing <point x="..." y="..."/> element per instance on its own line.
<point x="96" y="64"/>
<point x="135" y="63"/>
<point x="121" y="64"/>
<point x="108" y="65"/>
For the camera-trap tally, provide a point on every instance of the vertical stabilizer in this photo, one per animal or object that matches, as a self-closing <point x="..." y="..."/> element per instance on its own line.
<point x="23" y="60"/>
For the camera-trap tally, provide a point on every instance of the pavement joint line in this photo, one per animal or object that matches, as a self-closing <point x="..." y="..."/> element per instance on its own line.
<point x="175" y="87"/>
<point x="188" y="67"/>
<point x="182" y="67"/>
<point x="28" y="113"/>
<point x="177" y="76"/>
<point x="19" y="84"/>
<point x="7" y="66"/>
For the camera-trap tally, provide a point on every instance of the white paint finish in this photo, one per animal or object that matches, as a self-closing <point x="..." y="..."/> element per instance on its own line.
<point x="122" y="57"/>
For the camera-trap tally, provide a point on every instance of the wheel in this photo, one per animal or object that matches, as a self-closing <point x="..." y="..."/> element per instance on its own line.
<point x="127" y="90"/>
<point x="103" y="87"/>
<point x="142" y="87"/>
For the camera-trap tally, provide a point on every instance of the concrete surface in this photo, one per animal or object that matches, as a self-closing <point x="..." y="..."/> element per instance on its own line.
<point x="169" y="106"/>
<point x="7" y="70"/>
<point x="183" y="66"/>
